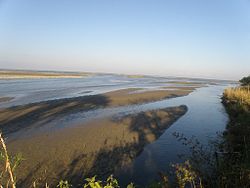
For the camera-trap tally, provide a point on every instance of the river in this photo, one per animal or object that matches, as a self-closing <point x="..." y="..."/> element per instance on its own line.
<point x="205" y="117"/>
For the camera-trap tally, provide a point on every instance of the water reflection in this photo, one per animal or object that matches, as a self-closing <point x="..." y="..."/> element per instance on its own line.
<point x="205" y="117"/>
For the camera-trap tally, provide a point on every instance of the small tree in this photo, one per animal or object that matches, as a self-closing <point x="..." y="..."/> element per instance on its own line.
<point x="245" y="81"/>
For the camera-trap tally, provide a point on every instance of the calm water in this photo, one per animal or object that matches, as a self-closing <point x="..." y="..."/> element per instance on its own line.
<point x="205" y="117"/>
<point x="35" y="90"/>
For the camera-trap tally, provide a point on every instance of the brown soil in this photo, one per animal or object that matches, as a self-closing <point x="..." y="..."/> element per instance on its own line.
<point x="36" y="114"/>
<point x="97" y="147"/>
<point x="191" y="88"/>
<point x="128" y="96"/>
<point x="6" y="99"/>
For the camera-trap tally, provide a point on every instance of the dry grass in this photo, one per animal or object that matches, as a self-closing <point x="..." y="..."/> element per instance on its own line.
<point x="237" y="139"/>
<point x="8" y="169"/>
<point x="239" y="94"/>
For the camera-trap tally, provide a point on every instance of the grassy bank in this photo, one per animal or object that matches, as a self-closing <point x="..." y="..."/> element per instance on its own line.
<point x="235" y="165"/>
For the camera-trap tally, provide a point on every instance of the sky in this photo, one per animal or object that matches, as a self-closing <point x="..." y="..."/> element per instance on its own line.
<point x="191" y="38"/>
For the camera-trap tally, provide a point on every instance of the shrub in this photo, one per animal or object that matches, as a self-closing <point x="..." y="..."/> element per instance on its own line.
<point x="245" y="81"/>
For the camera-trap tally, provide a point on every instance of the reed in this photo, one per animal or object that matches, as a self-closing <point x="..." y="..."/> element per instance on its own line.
<point x="239" y="95"/>
<point x="8" y="168"/>
<point x="237" y="140"/>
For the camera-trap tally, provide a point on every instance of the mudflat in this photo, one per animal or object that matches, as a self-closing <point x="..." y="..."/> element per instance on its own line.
<point x="136" y="96"/>
<point x="15" y="118"/>
<point x="100" y="147"/>
<point x="96" y="147"/>
<point x="6" y="99"/>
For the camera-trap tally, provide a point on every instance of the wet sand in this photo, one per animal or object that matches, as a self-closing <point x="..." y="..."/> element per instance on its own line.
<point x="6" y="99"/>
<point x="100" y="147"/>
<point x="188" y="88"/>
<point x="38" y="114"/>
<point x="130" y="96"/>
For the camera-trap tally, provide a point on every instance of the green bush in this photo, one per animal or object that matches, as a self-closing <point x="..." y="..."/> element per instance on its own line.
<point x="245" y="81"/>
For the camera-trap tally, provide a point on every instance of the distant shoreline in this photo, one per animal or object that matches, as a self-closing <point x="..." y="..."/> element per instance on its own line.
<point x="9" y="74"/>
<point x="36" y="77"/>
<point x="37" y="74"/>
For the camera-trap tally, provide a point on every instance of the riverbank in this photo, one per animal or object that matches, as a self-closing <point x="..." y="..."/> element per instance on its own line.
<point x="235" y="163"/>
<point x="99" y="147"/>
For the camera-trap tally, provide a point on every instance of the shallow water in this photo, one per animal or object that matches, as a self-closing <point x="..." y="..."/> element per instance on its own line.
<point x="27" y="91"/>
<point x="205" y="118"/>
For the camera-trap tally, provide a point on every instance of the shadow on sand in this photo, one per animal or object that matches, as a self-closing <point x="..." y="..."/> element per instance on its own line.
<point x="147" y="126"/>
<point x="31" y="115"/>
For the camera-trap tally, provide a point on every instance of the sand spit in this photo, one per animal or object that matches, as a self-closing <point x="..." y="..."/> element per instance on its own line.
<point x="34" y="115"/>
<point x="188" y="87"/>
<point x="99" y="147"/>
<point x="129" y="97"/>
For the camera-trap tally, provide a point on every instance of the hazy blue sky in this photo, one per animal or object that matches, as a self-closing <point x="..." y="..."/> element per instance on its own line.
<point x="198" y="38"/>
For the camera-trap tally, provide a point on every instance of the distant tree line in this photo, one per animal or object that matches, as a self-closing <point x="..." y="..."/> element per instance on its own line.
<point x="245" y="81"/>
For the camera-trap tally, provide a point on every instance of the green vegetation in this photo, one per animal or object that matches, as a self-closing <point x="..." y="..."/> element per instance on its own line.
<point x="245" y="81"/>
<point x="186" y="174"/>
<point x="235" y="163"/>
<point x="111" y="182"/>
